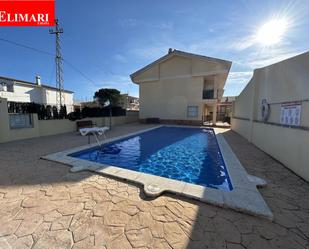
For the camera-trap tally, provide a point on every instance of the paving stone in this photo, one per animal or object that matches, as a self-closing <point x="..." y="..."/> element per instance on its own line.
<point x="304" y="227"/>
<point x="128" y="207"/>
<point x="69" y="208"/>
<point x="205" y="211"/>
<point x="162" y="214"/>
<point x="5" y="241"/>
<point x="234" y="246"/>
<point x="175" y="208"/>
<point x="214" y="240"/>
<point x="55" y="240"/>
<point x="11" y="208"/>
<point x="140" y="237"/>
<point x="62" y="223"/>
<point x="41" y="230"/>
<point x="140" y="220"/>
<point x="104" y="235"/>
<point x="254" y="241"/>
<point x="159" y="202"/>
<point x="174" y="235"/>
<point x="285" y="243"/>
<point x="38" y="188"/>
<point x="157" y="229"/>
<point x="8" y="227"/>
<point x="116" y="218"/>
<point x="120" y="242"/>
<point x="29" y="225"/>
<point x="85" y="243"/>
<point x="244" y="226"/>
<point x="51" y="216"/>
<point x="270" y="231"/>
<point x="227" y="230"/>
<point x="299" y="237"/>
<point x="102" y="208"/>
<point x="32" y="202"/>
<point x="58" y="196"/>
<point x="161" y="244"/>
<point x="82" y="232"/>
<point x="90" y="204"/>
<point x="25" y="242"/>
<point x="80" y="218"/>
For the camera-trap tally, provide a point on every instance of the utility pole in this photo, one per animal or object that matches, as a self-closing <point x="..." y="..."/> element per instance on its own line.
<point x="58" y="60"/>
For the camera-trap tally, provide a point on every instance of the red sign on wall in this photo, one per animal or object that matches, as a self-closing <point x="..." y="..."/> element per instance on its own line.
<point x="27" y="12"/>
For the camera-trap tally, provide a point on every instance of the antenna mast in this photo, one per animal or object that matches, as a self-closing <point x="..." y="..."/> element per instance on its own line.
<point x="58" y="60"/>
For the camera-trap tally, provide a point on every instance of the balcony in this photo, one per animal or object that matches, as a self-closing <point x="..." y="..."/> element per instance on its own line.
<point x="208" y="94"/>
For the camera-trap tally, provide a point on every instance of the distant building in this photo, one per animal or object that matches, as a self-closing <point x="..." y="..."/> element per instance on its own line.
<point x="129" y="102"/>
<point x="90" y="104"/>
<point x="25" y="91"/>
<point x="224" y="110"/>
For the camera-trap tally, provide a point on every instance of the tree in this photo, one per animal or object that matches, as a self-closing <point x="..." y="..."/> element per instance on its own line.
<point x="108" y="97"/>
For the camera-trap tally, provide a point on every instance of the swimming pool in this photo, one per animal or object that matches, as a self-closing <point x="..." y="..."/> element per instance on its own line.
<point x="185" y="154"/>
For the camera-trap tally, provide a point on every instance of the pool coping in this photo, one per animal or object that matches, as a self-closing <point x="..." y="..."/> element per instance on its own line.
<point x="244" y="196"/>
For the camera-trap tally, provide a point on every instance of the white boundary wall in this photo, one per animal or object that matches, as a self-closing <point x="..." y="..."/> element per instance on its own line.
<point x="286" y="81"/>
<point x="51" y="127"/>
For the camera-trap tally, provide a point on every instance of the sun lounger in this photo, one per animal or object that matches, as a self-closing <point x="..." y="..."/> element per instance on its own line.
<point x="95" y="131"/>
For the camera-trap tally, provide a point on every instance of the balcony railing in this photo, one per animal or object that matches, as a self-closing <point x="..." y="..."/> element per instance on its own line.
<point x="208" y="94"/>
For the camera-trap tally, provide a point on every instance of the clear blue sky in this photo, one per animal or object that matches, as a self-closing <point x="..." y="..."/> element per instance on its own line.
<point x="108" y="40"/>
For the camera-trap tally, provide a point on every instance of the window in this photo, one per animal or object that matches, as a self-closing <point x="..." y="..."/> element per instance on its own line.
<point x="20" y="121"/>
<point x="10" y="87"/>
<point x="192" y="112"/>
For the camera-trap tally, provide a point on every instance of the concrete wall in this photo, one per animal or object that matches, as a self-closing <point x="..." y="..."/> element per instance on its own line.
<point x="286" y="81"/>
<point x="168" y="88"/>
<point x="289" y="146"/>
<point x="51" y="127"/>
<point x="169" y="99"/>
<point x="243" y="127"/>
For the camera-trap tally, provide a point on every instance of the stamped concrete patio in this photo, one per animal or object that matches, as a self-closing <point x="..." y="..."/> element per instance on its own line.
<point x="43" y="205"/>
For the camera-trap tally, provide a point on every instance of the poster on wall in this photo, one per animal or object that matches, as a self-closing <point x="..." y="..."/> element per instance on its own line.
<point x="290" y="113"/>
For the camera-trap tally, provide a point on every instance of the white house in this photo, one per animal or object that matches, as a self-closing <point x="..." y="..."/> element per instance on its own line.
<point x="25" y="91"/>
<point x="181" y="87"/>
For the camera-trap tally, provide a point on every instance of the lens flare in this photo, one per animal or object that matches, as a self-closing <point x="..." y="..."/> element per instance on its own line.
<point x="272" y="32"/>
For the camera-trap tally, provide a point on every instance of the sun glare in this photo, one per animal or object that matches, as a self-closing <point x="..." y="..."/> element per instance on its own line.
<point x="272" y="32"/>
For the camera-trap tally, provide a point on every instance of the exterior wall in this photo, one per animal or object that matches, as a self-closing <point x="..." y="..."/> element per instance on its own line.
<point x="34" y="93"/>
<point x="16" y="97"/>
<point x="150" y="74"/>
<point x="286" y="81"/>
<point x="168" y="88"/>
<point x="243" y="127"/>
<point x="50" y="97"/>
<point x="175" y="66"/>
<point x="289" y="146"/>
<point x="51" y="127"/>
<point x="169" y="99"/>
<point x="244" y="102"/>
<point x="58" y="126"/>
<point x="6" y="133"/>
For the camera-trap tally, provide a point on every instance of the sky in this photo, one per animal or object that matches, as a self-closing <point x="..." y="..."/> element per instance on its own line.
<point x="106" y="41"/>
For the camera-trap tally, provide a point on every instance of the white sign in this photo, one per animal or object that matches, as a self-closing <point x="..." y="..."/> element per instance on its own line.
<point x="290" y="114"/>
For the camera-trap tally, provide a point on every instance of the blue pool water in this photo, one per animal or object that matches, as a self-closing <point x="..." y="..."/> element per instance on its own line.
<point x="186" y="154"/>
